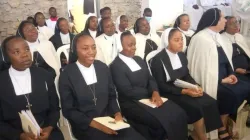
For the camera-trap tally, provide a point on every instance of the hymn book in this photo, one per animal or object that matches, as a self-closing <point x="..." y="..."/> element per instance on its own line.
<point x="110" y="123"/>
<point x="29" y="123"/>
<point x="149" y="103"/>
<point x="183" y="84"/>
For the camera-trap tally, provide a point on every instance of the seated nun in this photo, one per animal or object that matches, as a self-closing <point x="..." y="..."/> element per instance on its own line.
<point x="26" y="88"/>
<point x="146" y="41"/>
<point x="241" y="52"/>
<point x="210" y="64"/>
<point x="62" y="37"/>
<point x="183" y="24"/>
<point x="91" y="26"/>
<point x="171" y="64"/>
<point x="87" y="92"/>
<point x="43" y="52"/>
<point x="45" y="33"/>
<point x="107" y="41"/>
<point x="133" y="83"/>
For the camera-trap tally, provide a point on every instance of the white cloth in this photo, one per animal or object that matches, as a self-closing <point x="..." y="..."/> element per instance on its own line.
<point x="21" y="81"/>
<point x="203" y="58"/>
<point x="93" y="33"/>
<point x="88" y="73"/>
<point x="194" y="15"/>
<point x="48" y="52"/>
<point x="51" y="24"/>
<point x="188" y="3"/>
<point x="164" y="39"/>
<point x="241" y="8"/>
<point x="130" y="62"/>
<point x="237" y="38"/>
<point x="188" y="33"/>
<point x="141" y="43"/>
<point x="207" y="2"/>
<point x="174" y="59"/>
<point x="46" y="31"/>
<point x="65" y="38"/>
<point x="107" y="48"/>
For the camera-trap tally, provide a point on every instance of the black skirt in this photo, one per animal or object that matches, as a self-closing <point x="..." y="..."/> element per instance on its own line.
<point x="200" y="107"/>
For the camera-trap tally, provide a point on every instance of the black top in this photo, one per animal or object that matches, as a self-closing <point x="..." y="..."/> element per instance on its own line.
<point x="57" y="41"/>
<point x="240" y="58"/>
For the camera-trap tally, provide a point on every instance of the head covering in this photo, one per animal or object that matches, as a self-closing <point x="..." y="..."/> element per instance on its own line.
<point x="210" y="18"/>
<point x="57" y="29"/>
<point x="164" y="38"/>
<point x="117" y="23"/>
<point x="178" y="20"/>
<point x="136" y="26"/>
<point x="35" y="23"/>
<point x="86" y="28"/>
<point x="19" y="31"/>
<point x="5" y="59"/>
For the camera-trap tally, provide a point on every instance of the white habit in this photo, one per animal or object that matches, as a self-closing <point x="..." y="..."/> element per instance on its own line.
<point x="51" y="24"/>
<point x="46" y="31"/>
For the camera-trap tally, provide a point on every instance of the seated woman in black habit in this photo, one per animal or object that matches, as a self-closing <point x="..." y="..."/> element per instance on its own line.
<point x="134" y="82"/>
<point x="87" y="92"/>
<point x="91" y="26"/>
<point x="26" y="87"/>
<point x="43" y="51"/>
<point x="171" y="64"/>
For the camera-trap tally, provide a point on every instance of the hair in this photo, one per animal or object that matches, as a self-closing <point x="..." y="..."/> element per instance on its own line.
<point x="57" y="29"/>
<point x="211" y="15"/>
<point x="126" y="33"/>
<point x="73" y="54"/>
<point x="137" y="23"/>
<point x="31" y="18"/>
<point x="19" y="32"/>
<point x="178" y="20"/>
<point x="147" y="10"/>
<point x="122" y="16"/>
<point x="52" y="8"/>
<point x="87" y="24"/>
<point x="38" y="13"/>
<point x="104" y="9"/>
<point x="171" y="33"/>
<point x="227" y="18"/>
<point x="100" y="27"/>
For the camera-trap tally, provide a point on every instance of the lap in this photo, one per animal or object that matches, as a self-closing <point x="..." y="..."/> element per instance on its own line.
<point x="56" y="134"/>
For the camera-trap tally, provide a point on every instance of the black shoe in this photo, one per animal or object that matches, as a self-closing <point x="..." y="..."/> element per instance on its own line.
<point x="248" y="121"/>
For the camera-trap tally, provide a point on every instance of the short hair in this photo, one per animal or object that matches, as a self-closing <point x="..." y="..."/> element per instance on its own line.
<point x="19" y="31"/>
<point x="126" y="33"/>
<point x="31" y="18"/>
<point x="52" y="8"/>
<point x="104" y="9"/>
<point x="147" y="10"/>
<point x="171" y="33"/>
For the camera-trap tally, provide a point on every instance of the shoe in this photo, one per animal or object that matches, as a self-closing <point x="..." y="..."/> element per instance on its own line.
<point x="248" y="121"/>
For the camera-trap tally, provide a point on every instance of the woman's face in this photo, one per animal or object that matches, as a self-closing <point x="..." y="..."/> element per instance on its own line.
<point x="64" y="26"/>
<point x="222" y="22"/>
<point x="124" y="22"/>
<point x="128" y="45"/>
<point x="108" y="27"/>
<point x="176" y="42"/>
<point x="30" y="32"/>
<point x="93" y="23"/>
<point x="232" y="26"/>
<point x="184" y="23"/>
<point x="19" y="54"/>
<point x="144" y="27"/>
<point x="40" y="20"/>
<point x="86" y="50"/>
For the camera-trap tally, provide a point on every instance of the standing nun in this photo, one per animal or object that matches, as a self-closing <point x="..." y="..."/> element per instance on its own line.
<point x="210" y="64"/>
<point x="106" y="42"/>
<point x="134" y="82"/>
<point x="146" y="41"/>
<point x="183" y="24"/>
<point x="87" y="92"/>
<point x="171" y="64"/>
<point x="26" y="88"/>
<point x="43" y="52"/>
<point x="91" y="26"/>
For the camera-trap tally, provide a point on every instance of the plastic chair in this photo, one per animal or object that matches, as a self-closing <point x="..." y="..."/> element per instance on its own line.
<point x="149" y="57"/>
<point x="63" y="49"/>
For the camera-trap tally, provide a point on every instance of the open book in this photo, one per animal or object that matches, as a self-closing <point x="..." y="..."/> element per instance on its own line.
<point x="110" y="123"/>
<point x="149" y="103"/>
<point x="29" y="122"/>
<point x="183" y="84"/>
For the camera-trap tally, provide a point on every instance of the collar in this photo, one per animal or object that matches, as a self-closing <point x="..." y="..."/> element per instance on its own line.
<point x="61" y="34"/>
<point x="15" y="72"/>
<point x="53" y="18"/>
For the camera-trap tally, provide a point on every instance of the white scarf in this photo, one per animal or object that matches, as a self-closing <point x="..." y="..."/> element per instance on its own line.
<point x="65" y="38"/>
<point x="130" y="62"/>
<point x="88" y="73"/>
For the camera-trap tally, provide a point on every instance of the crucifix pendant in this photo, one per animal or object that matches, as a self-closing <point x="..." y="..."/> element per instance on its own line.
<point x="36" y="63"/>
<point x="29" y="106"/>
<point x="95" y="99"/>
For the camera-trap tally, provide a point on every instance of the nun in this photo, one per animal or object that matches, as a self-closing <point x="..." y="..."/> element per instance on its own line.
<point x="210" y="64"/>
<point x="171" y="64"/>
<point x="26" y="88"/>
<point x="133" y="83"/>
<point x="51" y="22"/>
<point x="91" y="26"/>
<point x="42" y="28"/>
<point x="183" y="24"/>
<point x="87" y="92"/>
<point x="43" y="52"/>
<point x="146" y="41"/>
<point x="121" y="25"/>
<point x="107" y="41"/>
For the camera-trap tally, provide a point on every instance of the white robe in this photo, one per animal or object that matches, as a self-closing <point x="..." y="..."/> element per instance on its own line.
<point x="203" y="61"/>
<point x="48" y="52"/>
<point x="51" y="24"/>
<point x="239" y="39"/>
<point x="141" y="43"/>
<point x="107" y="50"/>
<point x="46" y="31"/>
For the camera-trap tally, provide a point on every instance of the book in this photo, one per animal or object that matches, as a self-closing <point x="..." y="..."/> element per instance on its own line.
<point x="183" y="84"/>
<point x="29" y="123"/>
<point x="149" y="103"/>
<point x="110" y="123"/>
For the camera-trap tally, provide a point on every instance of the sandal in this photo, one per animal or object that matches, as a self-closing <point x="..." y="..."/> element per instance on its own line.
<point x="224" y="132"/>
